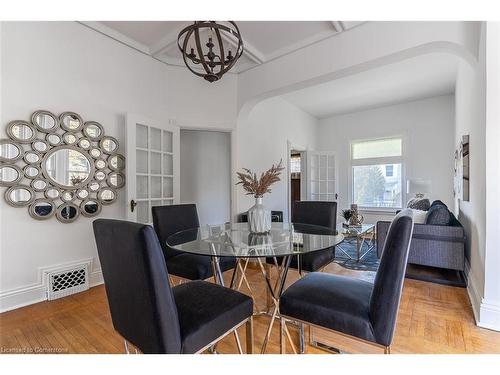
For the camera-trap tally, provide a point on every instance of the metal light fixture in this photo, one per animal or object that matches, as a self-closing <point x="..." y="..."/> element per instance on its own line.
<point x="211" y="56"/>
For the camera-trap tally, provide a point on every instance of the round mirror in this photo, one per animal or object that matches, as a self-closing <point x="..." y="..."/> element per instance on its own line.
<point x="19" y="195"/>
<point x="116" y="180"/>
<point x="38" y="185"/>
<point x="82" y="193"/>
<point x="10" y="175"/>
<point x="21" y="131"/>
<point x="93" y="130"/>
<point x="31" y="171"/>
<point x="95" y="153"/>
<point x="67" y="167"/>
<point x="106" y="195"/>
<point x="40" y="146"/>
<point x="99" y="176"/>
<point x="116" y="162"/>
<point x="84" y="143"/>
<point x="69" y="138"/>
<point x="70" y="121"/>
<point x="94" y="186"/>
<point x="52" y="193"/>
<point x="67" y="212"/>
<point x="100" y="164"/>
<point x="109" y="145"/>
<point x="10" y="151"/>
<point x="45" y="121"/>
<point x="31" y="157"/>
<point x="90" y="207"/>
<point x="53" y="139"/>
<point x="67" y="196"/>
<point x="42" y="209"/>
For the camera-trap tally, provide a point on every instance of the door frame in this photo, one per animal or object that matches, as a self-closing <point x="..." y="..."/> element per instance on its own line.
<point x="303" y="173"/>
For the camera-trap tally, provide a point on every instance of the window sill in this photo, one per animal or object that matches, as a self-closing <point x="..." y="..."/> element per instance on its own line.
<point x="387" y="211"/>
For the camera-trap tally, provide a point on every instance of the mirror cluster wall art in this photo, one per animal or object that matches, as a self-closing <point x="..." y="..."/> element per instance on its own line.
<point x="60" y="166"/>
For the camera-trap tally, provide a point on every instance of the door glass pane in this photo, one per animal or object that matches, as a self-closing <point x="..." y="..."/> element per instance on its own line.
<point x="141" y="161"/>
<point x="168" y="202"/>
<point x="314" y="174"/>
<point x="142" y="187"/>
<point x="155" y="138"/>
<point x="155" y="162"/>
<point x="322" y="187"/>
<point x="331" y="173"/>
<point x="168" y="166"/>
<point x="168" y="187"/>
<point x="322" y="173"/>
<point x="315" y="187"/>
<point x="331" y="188"/>
<point x="315" y="161"/>
<point x="322" y="161"/>
<point x="141" y="135"/>
<point x="167" y="141"/>
<point x="143" y="212"/>
<point x="155" y="187"/>
<point x="155" y="203"/>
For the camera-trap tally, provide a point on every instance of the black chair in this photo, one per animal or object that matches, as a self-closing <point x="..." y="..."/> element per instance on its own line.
<point x="351" y="306"/>
<point x="314" y="213"/>
<point x="168" y="220"/>
<point x="146" y="311"/>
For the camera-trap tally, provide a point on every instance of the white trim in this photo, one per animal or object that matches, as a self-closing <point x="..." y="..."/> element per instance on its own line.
<point x="37" y="292"/>
<point x="474" y="295"/>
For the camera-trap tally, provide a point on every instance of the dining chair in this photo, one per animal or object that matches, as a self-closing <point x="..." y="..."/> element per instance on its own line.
<point x="151" y="315"/>
<point x="168" y="220"/>
<point x="356" y="308"/>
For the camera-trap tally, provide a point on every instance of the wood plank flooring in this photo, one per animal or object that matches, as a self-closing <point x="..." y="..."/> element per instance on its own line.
<point x="432" y="319"/>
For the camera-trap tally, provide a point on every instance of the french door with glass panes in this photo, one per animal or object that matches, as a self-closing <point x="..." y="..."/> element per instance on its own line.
<point x="152" y="166"/>
<point x="322" y="176"/>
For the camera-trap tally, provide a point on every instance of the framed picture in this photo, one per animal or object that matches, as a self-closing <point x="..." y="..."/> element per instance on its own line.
<point x="462" y="170"/>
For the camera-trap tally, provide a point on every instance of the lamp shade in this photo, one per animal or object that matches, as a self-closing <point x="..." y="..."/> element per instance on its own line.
<point x="418" y="186"/>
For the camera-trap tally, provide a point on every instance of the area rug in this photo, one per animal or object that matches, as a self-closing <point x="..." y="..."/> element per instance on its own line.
<point x="370" y="262"/>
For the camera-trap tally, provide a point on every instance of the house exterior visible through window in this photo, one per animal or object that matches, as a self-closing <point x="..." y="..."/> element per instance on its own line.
<point x="377" y="178"/>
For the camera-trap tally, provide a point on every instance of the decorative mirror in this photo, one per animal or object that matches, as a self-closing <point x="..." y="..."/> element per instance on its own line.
<point x="60" y="166"/>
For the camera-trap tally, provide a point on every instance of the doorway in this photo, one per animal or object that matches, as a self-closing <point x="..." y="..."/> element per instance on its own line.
<point x="297" y="177"/>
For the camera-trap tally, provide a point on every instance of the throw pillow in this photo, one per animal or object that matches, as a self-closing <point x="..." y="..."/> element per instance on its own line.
<point x="438" y="214"/>
<point x="419" y="204"/>
<point x="419" y="216"/>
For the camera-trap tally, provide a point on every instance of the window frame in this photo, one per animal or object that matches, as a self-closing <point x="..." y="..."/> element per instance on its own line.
<point x="376" y="161"/>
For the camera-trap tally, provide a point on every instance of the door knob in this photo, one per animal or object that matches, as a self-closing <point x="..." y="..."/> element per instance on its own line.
<point x="132" y="205"/>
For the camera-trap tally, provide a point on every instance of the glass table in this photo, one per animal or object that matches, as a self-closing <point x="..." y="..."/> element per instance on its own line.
<point x="358" y="234"/>
<point x="284" y="241"/>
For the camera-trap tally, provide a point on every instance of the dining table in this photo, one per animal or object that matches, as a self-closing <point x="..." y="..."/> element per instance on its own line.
<point x="280" y="244"/>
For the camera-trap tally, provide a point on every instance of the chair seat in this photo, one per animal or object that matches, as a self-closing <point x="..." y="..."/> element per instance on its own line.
<point x="310" y="262"/>
<point x="206" y="311"/>
<point x="196" y="267"/>
<point x="336" y="302"/>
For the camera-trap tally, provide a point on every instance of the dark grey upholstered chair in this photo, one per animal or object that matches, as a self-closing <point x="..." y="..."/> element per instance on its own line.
<point x="146" y="311"/>
<point x="315" y="213"/>
<point x="351" y="306"/>
<point x="168" y="220"/>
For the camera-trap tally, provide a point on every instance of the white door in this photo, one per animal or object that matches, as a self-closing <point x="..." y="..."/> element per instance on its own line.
<point x="322" y="176"/>
<point x="152" y="159"/>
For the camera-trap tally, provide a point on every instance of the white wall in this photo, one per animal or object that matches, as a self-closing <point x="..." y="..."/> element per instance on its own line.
<point x="206" y="174"/>
<point x="425" y="125"/>
<point x="262" y="140"/>
<point x="61" y="66"/>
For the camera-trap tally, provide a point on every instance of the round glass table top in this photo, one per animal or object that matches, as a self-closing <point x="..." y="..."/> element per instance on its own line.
<point x="235" y="240"/>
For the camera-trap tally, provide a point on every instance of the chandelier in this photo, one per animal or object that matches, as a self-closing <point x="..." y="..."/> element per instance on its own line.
<point x="209" y="59"/>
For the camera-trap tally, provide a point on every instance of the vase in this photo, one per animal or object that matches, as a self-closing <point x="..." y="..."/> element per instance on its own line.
<point x="259" y="218"/>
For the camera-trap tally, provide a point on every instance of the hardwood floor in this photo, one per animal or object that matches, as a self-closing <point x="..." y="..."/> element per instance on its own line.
<point x="432" y="319"/>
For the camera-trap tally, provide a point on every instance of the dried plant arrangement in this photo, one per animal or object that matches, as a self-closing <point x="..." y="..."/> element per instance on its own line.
<point x="259" y="186"/>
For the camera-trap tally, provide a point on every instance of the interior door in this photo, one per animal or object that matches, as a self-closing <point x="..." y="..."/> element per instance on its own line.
<point x="152" y="166"/>
<point x="322" y="176"/>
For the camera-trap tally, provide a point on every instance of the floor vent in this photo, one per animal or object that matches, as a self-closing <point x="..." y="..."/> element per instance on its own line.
<point x="62" y="283"/>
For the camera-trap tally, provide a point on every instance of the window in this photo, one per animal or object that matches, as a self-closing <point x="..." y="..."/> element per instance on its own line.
<point x="377" y="173"/>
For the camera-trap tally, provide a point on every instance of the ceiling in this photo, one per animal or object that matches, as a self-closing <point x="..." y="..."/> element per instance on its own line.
<point x="412" y="79"/>
<point x="263" y="40"/>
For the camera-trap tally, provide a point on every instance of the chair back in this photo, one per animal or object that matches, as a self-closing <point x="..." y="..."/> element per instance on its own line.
<point x="168" y="220"/>
<point x="386" y="294"/>
<point x="315" y="213"/>
<point x="142" y="304"/>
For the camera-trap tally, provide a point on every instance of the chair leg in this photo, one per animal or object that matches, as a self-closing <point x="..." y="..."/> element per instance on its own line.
<point x="282" y="336"/>
<point x="387" y="350"/>
<point x="126" y="347"/>
<point x="301" y="338"/>
<point x="249" y="335"/>
<point x="238" y="343"/>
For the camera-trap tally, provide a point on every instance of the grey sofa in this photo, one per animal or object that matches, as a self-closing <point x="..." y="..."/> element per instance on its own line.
<point x="440" y="246"/>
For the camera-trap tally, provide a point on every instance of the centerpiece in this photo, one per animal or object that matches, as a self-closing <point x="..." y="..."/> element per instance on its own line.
<point x="259" y="217"/>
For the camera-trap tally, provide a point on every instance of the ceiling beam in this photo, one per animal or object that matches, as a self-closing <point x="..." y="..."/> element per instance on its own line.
<point x="163" y="44"/>
<point x="248" y="50"/>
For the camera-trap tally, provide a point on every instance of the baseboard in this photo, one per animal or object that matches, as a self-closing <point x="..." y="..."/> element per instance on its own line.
<point x="37" y="292"/>
<point x="474" y="296"/>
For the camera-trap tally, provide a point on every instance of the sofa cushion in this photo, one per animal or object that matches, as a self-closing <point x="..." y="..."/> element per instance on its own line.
<point x="419" y="204"/>
<point x="438" y="214"/>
